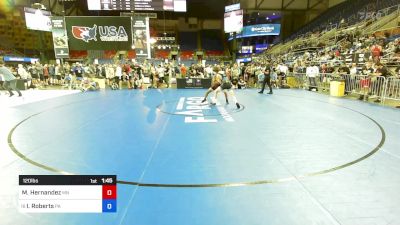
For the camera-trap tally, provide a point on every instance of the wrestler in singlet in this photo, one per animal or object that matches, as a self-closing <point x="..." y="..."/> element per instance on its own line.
<point x="215" y="83"/>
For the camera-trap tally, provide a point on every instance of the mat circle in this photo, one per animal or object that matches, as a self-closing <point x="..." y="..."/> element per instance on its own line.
<point x="209" y="185"/>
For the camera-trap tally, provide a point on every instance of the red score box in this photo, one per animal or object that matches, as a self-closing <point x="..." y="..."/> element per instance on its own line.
<point x="109" y="191"/>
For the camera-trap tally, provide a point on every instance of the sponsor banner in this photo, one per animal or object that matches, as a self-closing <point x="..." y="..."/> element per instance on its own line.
<point x="243" y="60"/>
<point x="165" y="38"/>
<point x="259" y="30"/>
<point x="19" y="59"/>
<point x="60" y="38"/>
<point x="99" y="33"/>
<point x="141" y="37"/>
<point x="261" y="47"/>
<point x="247" y="49"/>
<point x="232" y="7"/>
<point x="150" y="15"/>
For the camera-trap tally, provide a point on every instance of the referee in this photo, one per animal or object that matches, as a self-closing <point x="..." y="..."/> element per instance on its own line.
<point x="267" y="80"/>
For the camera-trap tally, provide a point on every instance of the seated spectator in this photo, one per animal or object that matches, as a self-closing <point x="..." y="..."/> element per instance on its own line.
<point x="241" y="83"/>
<point x="88" y="85"/>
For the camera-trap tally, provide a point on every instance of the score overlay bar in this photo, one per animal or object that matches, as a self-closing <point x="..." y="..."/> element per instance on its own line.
<point x="67" y="193"/>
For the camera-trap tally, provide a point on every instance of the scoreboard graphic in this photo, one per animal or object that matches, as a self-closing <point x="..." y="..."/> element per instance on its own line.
<point x="67" y="193"/>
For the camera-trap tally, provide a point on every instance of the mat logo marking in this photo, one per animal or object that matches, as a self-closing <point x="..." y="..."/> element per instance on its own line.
<point x="194" y="111"/>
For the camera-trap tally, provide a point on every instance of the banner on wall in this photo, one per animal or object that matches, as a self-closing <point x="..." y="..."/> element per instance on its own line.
<point x="141" y="37"/>
<point x="20" y="59"/>
<point x="259" y="30"/>
<point x="261" y="47"/>
<point x="99" y="33"/>
<point x="60" y="38"/>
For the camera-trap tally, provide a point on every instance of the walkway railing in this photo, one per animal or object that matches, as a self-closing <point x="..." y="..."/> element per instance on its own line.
<point x="392" y="89"/>
<point x="373" y="86"/>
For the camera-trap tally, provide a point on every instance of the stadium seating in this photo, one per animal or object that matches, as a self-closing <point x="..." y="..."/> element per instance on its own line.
<point x="213" y="53"/>
<point x="351" y="12"/>
<point x="186" y="55"/>
<point x="212" y="40"/>
<point x="188" y="40"/>
<point x="73" y="54"/>
<point x="161" y="54"/>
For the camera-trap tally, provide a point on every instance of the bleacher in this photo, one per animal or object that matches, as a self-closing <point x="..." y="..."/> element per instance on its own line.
<point x="352" y="12"/>
<point x="212" y="40"/>
<point x="319" y="34"/>
<point x="188" y="40"/>
<point x="15" y="37"/>
<point x="186" y="54"/>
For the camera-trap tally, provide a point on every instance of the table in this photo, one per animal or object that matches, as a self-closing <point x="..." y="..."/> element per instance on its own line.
<point x="185" y="83"/>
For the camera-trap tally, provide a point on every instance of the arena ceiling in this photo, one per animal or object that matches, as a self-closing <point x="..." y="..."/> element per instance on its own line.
<point x="212" y="9"/>
<point x="286" y="5"/>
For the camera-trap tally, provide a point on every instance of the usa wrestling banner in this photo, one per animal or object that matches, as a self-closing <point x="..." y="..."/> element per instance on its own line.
<point x="99" y="33"/>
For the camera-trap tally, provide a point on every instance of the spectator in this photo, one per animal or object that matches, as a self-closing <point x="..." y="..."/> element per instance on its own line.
<point x="183" y="70"/>
<point x="353" y="69"/>
<point x="312" y="72"/>
<point x="381" y="71"/>
<point x="10" y="82"/>
<point x="376" y="52"/>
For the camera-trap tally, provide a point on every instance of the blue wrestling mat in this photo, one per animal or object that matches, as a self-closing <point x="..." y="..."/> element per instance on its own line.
<point x="291" y="158"/>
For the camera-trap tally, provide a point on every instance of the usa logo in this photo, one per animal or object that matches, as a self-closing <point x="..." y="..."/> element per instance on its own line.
<point x="85" y="33"/>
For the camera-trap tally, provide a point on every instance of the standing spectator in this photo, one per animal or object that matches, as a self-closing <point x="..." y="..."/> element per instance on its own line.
<point x="57" y="73"/>
<point x="23" y="75"/>
<point x="39" y="69"/>
<point x="103" y="71"/>
<point x="35" y="76"/>
<point x="344" y="71"/>
<point x="282" y="71"/>
<point x="10" y="82"/>
<point x="235" y="72"/>
<point x="365" y="81"/>
<point x="381" y="71"/>
<point x="183" y="70"/>
<point x="78" y="71"/>
<point x="353" y="69"/>
<point x="209" y="71"/>
<point x="376" y="51"/>
<point x="46" y="75"/>
<point x="160" y="75"/>
<point x="312" y="72"/>
<point x="152" y="75"/>
<point x="52" y="74"/>
<point x="137" y="77"/>
<point x="110" y="74"/>
<point x="118" y="71"/>
<point x="167" y="73"/>
<point x="98" y="70"/>
<point x="242" y="69"/>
